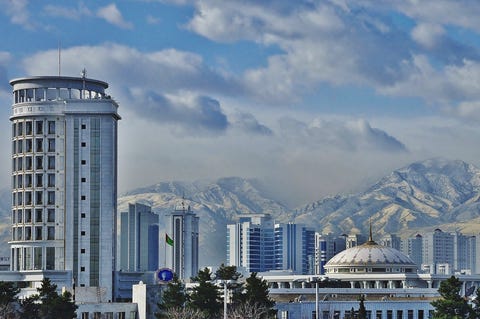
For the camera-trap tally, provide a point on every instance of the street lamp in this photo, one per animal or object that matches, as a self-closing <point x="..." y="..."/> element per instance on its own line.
<point x="225" y="294"/>
<point x="316" y="280"/>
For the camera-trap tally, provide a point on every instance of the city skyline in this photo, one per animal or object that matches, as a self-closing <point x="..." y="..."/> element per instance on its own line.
<point x="314" y="97"/>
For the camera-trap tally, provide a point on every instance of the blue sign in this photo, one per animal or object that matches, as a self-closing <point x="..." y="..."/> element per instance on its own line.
<point x="165" y="274"/>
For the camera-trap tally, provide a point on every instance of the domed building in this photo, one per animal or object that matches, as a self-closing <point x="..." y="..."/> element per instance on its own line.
<point x="372" y="266"/>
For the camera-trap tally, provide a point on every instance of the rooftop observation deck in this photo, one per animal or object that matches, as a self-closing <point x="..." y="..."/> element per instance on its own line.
<point x="52" y="88"/>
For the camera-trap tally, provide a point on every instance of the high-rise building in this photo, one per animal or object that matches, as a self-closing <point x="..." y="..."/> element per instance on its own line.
<point x="294" y="248"/>
<point x="438" y="248"/>
<point x="390" y="240"/>
<point x="64" y="180"/>
<point x="182" y="251"/>
<point x="138" y="239"/>
<point x="250" y="243"/>
<point x="327" y="246"/>
<point x="355" y="240"/>
<point x="413" y="248"/>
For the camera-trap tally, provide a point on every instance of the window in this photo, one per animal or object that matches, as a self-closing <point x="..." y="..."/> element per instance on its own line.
<point x="39" y="127"/>
<point x="28" y="215"/>
<point x="39" y="162"/>
<point x="38" y="180"/>
<point x="14" y="129"/>
<point x="84" y="144"/>
<point x="51" y="198"/>
<point x="20" y="128"/>
<point x="20" y="163"/>
<point x="19" y="198"/>
<point x="38" y="215"/>
<point x="51" y="127"/>
<point x="19" y="216"/>
<point x="14" y="215"/>
<point x="50" y="258"/>
<point x="14" y="147"/>
<point x="82" y="251"/>
<point x="51" y="180"/>
<point x="28" y="163"/>
<point x="51" y="162"/>
<point x="84" y="162"/>
<point x="82" y="233"/>
<point x="51" y="215"/>
<point x="28" y="233"/>
<point x="84" y="179"/>
<point x="28" y="128"/>
<point x="83" y="197"/>
<point x="28" y="198"/>
<point x="84" y="126"/>
<point x="19" y="181"/>
<point x="39" y="197"/>
<point x="82" y="268"/>
<point x="20" y="146"/>
<point x="50" y="233"/>
<point x="82" y="215"/>
<point x="14" y="164"/>
<point x="28" y="180"/>
<point x="39" y="145"/>
<point x="37" y="251"/>
<point x="19" y="233"/>
<point x="38" y="233"/>
<point x="28" y="145"/>
<point x="51" y="145"/>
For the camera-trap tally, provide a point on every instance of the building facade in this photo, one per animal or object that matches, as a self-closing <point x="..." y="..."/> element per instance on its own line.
<point x="182" y="251"/>
<point x="138" y="239"/>
<point x="64" y="179"/>
<point x="327" y="246"/>
<point x="294" y="248"/>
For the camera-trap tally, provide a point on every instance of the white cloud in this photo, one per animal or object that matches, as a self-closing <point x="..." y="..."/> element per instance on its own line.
<point x="112" y="15"/>
<point x="18" y="12"/>
<point x="427" y="34"/>
<point x="71" y="13"/>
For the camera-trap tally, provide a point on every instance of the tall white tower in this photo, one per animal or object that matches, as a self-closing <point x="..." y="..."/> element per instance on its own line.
<point x="64" y="179"/>
<point x="182" y="255"/>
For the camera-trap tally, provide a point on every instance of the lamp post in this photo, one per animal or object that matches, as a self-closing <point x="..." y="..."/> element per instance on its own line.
<point x="315" y="280"/>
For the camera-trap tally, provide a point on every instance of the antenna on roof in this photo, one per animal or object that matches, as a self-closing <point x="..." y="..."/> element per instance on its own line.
<point x="84" y="75"/>
<point x="59" y="57"/>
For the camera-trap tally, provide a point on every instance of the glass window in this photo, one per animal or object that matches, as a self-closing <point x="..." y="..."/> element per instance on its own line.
<point x="37" y="251"/>
<point x="51" y="180"/>
<point x="38" y="180"/>
<point x="28" y="233"/>
<point x="28" y="198"/>
<point x="51" y="215"/>
<point x="19" y="216"/>
<point x="14" y="164"/>
<point x="38" y="215"/>
<point x="51" y="145"/>
<point x="28" y="163"/>
<point x="14" y="129"/>
<point x="20" y="128"/>
<point x="19" y="198"/>
<point x="39" y="162"/>
<point x="28" y="180"/>
<point x="14" y="147"/>
<point x="19" y="233"/>
<point x="50" y="258"/>
<point x="39" y="127"/>
<point x="51" y="198"/>
<point x="51" y="127"/>
<point x="39" y="144"/>
<point x="28" y="128"/>
<point x="50" y="233"/>
<point x="28" y="145"/>
<point x="14" y="216"/>
<point x="39" y="197"/>
<point x="51" y="162"/>
<point x="38" y="233"/>
<point x="20" y="146"/>
<point x="28" y="215"/>
<point x="20" y="181"/>
<point x="20" y="163"/>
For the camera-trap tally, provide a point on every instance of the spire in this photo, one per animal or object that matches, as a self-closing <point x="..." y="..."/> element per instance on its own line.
<point x="370" y="236"/>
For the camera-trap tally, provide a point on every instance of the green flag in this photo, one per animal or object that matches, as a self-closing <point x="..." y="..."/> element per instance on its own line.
<point x="168" y="240"/>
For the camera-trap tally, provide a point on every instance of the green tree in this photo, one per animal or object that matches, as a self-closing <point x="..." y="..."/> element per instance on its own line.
<point x="256" y="292"/>
<point x="8" y="299"/>
<point x="451" y="304"/>
<point x="174" y="297"/>
<point x="205" y="296"/>
<point x="231" y="276"/>
<point x="362" y="312"/>
<point x="476" y="304"/>
<point x="48" y="304"/>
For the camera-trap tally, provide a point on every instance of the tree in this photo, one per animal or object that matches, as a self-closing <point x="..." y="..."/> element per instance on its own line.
<point x="256" y="293"/>
<point x="362" y="312"/>
<point x="476" y="304"/>
<point x="230" y="276"/>
<point x="205" y="296"/>
<point x="182" y="313"/>
<point x="8" y="299"/>
<point x="174" y="297"/>
<point x="249" y="310"/>
<point x="451" y="304"/>
<point x="48" y="304"/>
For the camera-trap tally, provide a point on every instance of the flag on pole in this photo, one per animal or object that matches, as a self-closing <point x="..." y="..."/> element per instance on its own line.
<point x="168" y="240"/>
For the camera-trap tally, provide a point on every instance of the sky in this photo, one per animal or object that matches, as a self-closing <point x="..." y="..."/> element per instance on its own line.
<point x="312" y="97"/>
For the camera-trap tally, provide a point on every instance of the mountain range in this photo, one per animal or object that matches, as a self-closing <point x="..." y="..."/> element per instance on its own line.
<point x="435" y="193"/>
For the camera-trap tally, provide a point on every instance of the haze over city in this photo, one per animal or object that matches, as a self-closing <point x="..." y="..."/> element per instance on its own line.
<point x="315" y="97"/>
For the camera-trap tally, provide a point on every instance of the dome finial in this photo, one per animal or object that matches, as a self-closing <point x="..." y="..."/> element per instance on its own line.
<point x="370" y="236"/>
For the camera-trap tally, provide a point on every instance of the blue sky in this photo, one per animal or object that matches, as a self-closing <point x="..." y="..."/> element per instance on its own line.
<point x="313" y="97"/>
